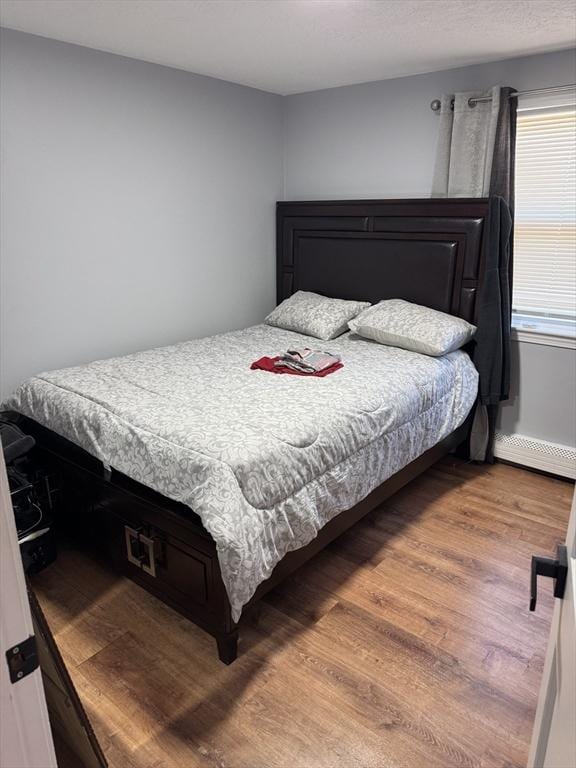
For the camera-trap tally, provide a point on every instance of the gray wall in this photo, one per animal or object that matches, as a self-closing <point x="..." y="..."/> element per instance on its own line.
<point x="138" y="200"/>
<point x="137" y="205"/>
<point x="543" y="394"/>
<point x="378" y="140"/>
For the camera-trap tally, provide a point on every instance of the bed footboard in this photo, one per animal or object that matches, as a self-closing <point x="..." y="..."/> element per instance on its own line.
<point x="157" y="543"/>
<point x="162" y="546"/>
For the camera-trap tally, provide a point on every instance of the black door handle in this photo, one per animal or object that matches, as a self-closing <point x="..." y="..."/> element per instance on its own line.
<point x="555" y="569"/>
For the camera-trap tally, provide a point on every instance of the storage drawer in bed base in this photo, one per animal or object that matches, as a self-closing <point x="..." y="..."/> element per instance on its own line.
<point x="156" y="545"/>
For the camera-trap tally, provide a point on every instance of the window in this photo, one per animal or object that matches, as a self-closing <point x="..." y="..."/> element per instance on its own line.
<point x="545" y="218"/>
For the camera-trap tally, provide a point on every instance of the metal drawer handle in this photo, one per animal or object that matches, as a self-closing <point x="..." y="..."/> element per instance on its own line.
<point x="140" y="550"/>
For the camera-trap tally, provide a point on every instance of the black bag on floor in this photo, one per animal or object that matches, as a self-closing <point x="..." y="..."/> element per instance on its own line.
<point x="31" y="512"/>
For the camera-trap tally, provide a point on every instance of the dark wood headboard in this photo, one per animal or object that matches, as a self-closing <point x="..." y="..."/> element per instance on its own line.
<point x="425" y="251"/>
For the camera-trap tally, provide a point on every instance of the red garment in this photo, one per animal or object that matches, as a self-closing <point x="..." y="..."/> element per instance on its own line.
<point x="267" y="364"/>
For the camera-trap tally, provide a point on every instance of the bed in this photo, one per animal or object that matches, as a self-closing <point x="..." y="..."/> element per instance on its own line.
<point x="208" y="482"/>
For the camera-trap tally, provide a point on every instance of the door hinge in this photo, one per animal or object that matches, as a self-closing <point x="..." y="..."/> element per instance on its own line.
<point x="22" y="659"/>
<point x="554" y="569"/>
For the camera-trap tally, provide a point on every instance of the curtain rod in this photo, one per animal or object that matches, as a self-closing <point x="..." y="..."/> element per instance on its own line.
<point x="436" y="103"/>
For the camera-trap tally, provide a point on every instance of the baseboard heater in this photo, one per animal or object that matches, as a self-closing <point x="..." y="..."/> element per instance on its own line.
<point x="537" y="454"/>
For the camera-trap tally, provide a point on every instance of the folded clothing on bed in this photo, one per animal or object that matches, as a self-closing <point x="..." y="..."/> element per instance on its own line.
<point x="302" y="362"/>
<point x="277" y="365"/>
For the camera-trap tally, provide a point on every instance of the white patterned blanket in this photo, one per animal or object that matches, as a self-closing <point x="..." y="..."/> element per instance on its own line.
<point x="265" y="460"/>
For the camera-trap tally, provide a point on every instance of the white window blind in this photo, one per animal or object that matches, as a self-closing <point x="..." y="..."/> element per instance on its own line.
<point x="545" y="215"/>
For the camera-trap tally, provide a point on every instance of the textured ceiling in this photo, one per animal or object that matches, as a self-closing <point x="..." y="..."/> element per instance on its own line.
<point x="289" y="46"/>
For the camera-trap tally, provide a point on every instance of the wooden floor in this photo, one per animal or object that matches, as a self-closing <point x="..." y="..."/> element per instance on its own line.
<point x="407" y="643"/>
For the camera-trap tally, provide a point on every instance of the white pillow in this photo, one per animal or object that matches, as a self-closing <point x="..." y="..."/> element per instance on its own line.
<point x="315" y="315"/>
<point x="400" y="323"/>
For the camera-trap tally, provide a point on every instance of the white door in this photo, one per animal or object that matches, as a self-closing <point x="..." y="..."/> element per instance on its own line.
<point x="25" y="736"/>
<point x="554" y="736"/>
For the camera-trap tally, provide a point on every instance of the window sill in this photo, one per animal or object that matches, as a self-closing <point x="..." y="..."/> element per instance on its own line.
<point x="539" y="334"/>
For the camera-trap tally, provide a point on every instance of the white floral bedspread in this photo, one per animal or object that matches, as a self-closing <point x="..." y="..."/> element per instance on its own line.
<point x="264" y="459"/>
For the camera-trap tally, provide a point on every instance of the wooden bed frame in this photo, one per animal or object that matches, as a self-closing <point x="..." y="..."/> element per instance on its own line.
<point x="426" y="251"/>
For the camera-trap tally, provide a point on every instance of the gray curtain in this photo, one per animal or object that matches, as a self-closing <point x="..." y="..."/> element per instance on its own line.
<point x="466" y="140"/>
<point x="475" y="158"/>
<point x="475" y="152"/>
